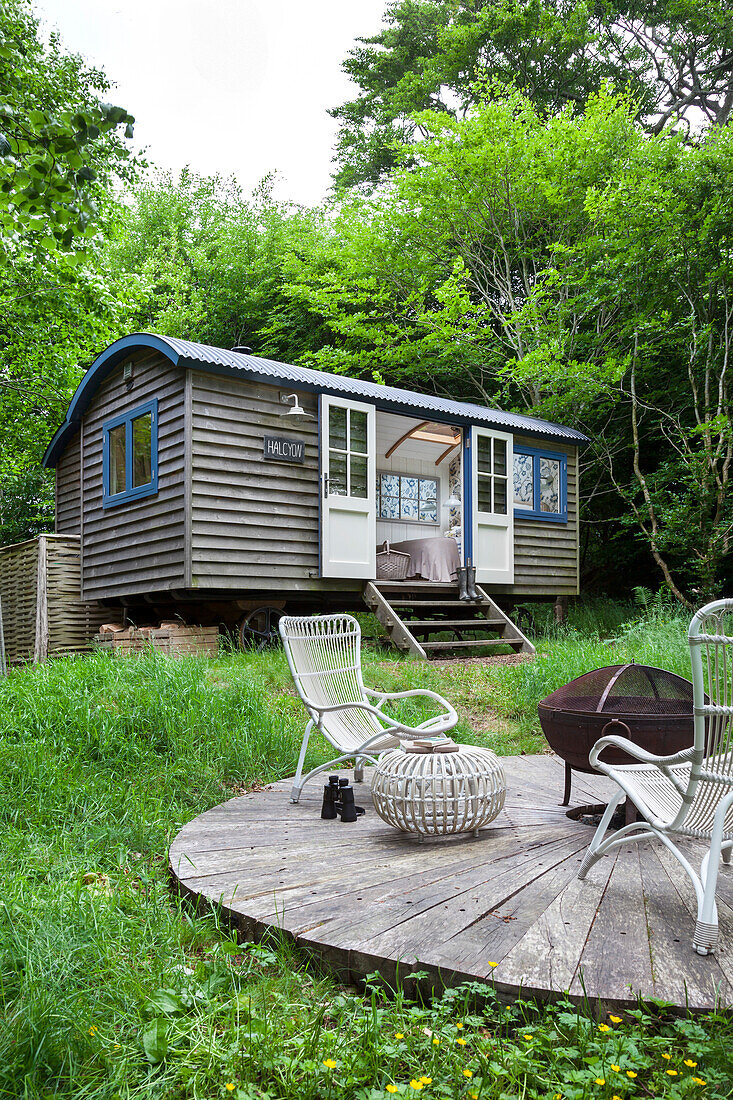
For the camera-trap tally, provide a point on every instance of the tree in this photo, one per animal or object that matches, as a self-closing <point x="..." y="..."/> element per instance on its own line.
<point x="576" y="268"/>
<point x="62" y="152"/>
<point x="203" y="262"/>
<point x="673" y="57"/>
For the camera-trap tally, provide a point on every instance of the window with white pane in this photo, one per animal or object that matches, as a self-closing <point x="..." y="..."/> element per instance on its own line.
<point x="491" y="475"/>
<point x="540" y="484"/>
<point x="407" y="498"/>
<point x="347" y="452"/>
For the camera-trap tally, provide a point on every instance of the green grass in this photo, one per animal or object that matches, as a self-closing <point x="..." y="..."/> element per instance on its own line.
<point x="112" y="988"/>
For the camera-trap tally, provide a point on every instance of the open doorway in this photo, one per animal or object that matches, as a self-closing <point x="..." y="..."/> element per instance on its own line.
<point x="420" y="494"/>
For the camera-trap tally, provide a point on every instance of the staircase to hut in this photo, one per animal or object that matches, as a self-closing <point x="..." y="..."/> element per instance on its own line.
<point x="428" y="620"/>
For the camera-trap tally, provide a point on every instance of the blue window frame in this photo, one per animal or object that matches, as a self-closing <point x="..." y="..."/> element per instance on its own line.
<point x="540" y="484"/>
<point x="130" y="455"/>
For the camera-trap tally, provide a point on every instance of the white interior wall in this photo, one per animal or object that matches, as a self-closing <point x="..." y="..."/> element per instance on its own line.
<point x="416" y="458"/>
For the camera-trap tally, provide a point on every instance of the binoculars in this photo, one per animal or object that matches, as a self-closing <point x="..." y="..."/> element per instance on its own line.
<point x="338" y="801"/>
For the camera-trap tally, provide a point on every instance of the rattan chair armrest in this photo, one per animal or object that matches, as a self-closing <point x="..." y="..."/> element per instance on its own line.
<point x="384" y="696"/>
<point x="394" y="729"/>
<point x="636" y="751"/>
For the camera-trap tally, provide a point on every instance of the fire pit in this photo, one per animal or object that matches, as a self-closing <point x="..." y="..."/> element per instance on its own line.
<point x="650" y="706"/>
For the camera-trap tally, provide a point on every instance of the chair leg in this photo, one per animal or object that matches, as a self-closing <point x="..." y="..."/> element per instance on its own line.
<point x="593" y="854"/>
<point x="297" y="785"/>
<point x="706" y="930"/>
<point x="726" y="851"/>
<point x="359" y="769"/>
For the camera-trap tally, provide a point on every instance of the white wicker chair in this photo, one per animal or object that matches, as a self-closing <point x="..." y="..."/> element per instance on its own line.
<point x="324" y="654"/>
<point x="689" y="794"/>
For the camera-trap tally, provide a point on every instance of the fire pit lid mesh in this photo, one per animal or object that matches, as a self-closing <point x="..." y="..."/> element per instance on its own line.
<point x="625" y="689"/>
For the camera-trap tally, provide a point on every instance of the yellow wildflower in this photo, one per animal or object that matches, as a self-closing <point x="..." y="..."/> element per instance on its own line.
<point x="630" y="1073"/>
<point x="473" y="1095"/>
<point x="92" y="1030"/>
<point x="461" y="1041"/>
<point x="415" y="1084"/>
<point x="672" y="1073"/>
<point x="391" y="1088"/>
<point x="329" y="1063"/>
<point x="615" y="1068"/>
<point x="229" y="1086"/>
<point x="603" y="1027"/>
<point x="493" y="964"/>
<point x="468" y="1073"/>
<point x="529" y="1037"/>
<point x="426" y="1080"/>
<point x="698" y="1080"/>
<point x="666" y="1056"/>
<point x="615" y="1098"/>
<point x="689" y="1062"/>
<point x="459" y="1024"/>
<point x="600" y="1080"/>
<point x="436" y="1042"/>
<point x="398" y="1035"/>
<point x="117" y="1047"/>
<point x="616" y="1019"/>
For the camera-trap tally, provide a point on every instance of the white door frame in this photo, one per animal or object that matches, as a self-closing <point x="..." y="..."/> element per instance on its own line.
<point x="492" y="542"/>
<point x="348" y="523"/>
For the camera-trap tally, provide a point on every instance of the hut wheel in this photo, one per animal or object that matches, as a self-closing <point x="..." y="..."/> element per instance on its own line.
<point x="259" y="629"/>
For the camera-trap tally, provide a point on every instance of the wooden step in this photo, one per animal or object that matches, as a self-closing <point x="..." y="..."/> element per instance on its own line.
<point x="436" y="603"/>
<point x="513" y="642"/>
<point x="429" y="600"/>
<point x="448" y="624"/>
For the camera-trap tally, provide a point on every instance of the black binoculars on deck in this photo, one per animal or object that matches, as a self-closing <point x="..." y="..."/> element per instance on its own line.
<point x="338" y="801"/>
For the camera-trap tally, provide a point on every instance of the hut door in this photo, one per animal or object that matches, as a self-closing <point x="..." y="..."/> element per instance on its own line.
<point x="492" y="508"/>
<point x="348" y="489"/>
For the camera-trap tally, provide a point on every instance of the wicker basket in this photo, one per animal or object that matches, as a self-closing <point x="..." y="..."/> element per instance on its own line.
<point x="391" y="564"/>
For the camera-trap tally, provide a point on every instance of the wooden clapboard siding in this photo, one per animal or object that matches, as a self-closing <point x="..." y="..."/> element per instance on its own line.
<point x="251" y="520"/>
<point x="546" y="553"/>
<point x="68" y="489"/>
<point x="138" y="546"/>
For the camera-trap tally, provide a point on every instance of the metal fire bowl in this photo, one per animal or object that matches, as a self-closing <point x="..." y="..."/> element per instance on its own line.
<point x="572" y="734"/>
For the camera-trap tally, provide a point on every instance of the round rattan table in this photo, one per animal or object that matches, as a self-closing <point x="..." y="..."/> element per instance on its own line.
<point x="439" y="793"/>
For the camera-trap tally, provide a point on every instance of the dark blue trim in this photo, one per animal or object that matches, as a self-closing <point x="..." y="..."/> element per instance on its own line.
<point x="151" y="487"/>
<point x="100" y="369"/>
<point x="319" y="422"/>
<point x="467" y="499"/>
<point x="534" y="512"/>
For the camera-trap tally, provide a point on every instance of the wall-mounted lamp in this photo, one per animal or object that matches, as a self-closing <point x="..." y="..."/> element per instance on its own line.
<point x="453" y="501"/>
<point x="296" y="410"/>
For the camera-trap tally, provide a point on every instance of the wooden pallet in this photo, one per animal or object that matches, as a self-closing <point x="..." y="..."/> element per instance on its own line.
<point x="171" y="639"/>
<point x="426" y="619"/>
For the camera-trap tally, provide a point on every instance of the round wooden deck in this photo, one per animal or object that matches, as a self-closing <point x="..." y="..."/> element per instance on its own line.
<point x="366" y="898"/>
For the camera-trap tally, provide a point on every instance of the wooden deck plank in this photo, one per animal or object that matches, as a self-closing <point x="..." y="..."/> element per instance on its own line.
<point x="366" y="897"/>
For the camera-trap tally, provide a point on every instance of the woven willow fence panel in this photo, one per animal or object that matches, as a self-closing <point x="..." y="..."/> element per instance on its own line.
<point x="40" y="586"/>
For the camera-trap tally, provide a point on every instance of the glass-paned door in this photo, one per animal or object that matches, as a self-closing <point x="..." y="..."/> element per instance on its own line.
<point x="348" y="505"/>
<point x="493" y="516"/>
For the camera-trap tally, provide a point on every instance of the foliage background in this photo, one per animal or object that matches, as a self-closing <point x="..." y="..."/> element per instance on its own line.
<point x="532" y="208"/>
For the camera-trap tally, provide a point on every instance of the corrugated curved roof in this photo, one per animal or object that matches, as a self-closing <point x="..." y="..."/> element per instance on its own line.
<point x="234" y="363"/>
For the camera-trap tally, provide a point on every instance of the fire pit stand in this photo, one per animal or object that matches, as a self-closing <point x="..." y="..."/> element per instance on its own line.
<point x="649" y="706"/>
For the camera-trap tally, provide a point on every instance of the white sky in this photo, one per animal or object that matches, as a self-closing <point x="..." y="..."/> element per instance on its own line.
<point x="238" y="87"/>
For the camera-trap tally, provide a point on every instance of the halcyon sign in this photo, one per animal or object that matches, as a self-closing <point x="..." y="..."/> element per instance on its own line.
<point x="284" y="450"/>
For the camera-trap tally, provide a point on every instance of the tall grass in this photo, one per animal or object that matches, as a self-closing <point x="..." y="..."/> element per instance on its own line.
<point x="111" y="988"/>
